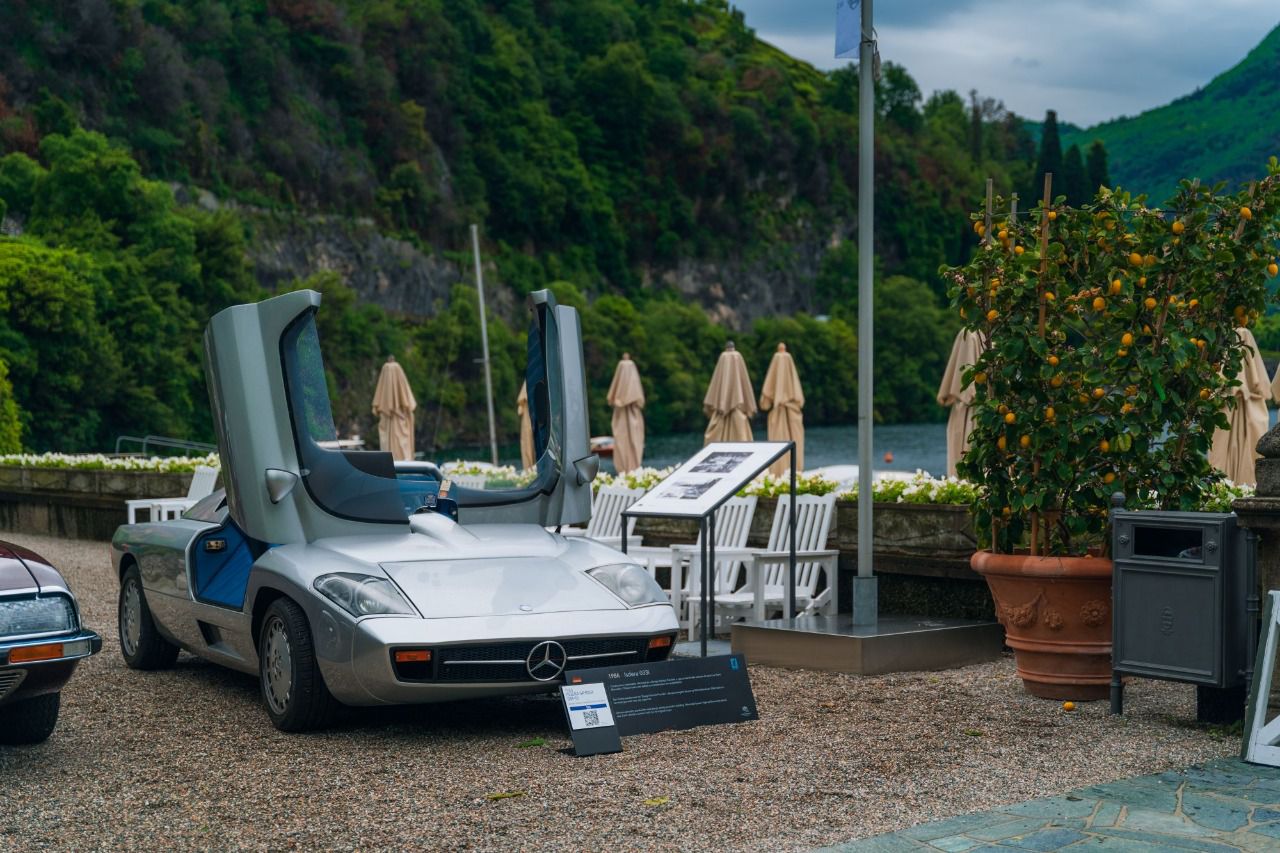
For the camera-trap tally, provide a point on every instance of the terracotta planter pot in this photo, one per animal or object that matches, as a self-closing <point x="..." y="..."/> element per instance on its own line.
<point x="1056" y="613"/>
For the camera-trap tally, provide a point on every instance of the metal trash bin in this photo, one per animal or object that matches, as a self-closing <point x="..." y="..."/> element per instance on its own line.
<point x="1184" y="606"/>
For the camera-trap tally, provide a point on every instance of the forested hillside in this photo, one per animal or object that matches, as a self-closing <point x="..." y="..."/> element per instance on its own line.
<point x="1220" y="132"/>
<point x="653" y="160"/>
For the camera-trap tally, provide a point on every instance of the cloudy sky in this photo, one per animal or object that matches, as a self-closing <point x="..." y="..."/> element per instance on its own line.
<point x="1091" y="60"/>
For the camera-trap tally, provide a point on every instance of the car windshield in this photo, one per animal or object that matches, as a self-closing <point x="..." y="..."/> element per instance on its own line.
<point x="365" y="485"/>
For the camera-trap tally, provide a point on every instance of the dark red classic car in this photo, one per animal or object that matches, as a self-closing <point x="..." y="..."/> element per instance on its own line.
<point x="41" y="641"/>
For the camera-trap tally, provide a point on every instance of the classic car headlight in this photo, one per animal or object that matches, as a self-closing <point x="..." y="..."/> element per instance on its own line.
<point x="363" y="595"/>
<point x="630" y="583"/>
<point x="42" y="615"/>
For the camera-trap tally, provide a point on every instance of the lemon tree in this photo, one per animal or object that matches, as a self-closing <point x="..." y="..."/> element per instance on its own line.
<point x="1110" y="341"/>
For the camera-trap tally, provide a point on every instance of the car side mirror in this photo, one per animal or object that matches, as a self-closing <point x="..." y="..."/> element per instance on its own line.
<point x="280" y="484"/>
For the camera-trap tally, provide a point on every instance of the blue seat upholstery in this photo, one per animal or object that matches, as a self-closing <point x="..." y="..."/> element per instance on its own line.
<point x="222" y="577"/>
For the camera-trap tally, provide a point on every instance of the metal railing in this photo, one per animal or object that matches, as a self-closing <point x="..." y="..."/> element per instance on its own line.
<point x="164" y="441"/>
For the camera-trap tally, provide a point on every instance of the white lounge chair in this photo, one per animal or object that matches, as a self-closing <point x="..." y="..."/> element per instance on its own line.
<point x="766" y="589"/>
<point x="733" y="527"/>
<point x="606" y="515"/>
<point x="162" y="509"/>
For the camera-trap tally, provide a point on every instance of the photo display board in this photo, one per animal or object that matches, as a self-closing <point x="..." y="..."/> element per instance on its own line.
<point x="713" y="475"/>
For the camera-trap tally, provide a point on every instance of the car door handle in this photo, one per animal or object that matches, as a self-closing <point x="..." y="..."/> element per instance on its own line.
<point x="214" y="546"/>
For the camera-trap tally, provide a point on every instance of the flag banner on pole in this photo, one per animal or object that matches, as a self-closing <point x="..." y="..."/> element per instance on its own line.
<point x="848" y="29"/>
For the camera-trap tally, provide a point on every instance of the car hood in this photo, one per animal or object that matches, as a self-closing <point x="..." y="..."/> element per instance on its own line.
<point x="13" y="572"/>
<point x="449" y="570"/>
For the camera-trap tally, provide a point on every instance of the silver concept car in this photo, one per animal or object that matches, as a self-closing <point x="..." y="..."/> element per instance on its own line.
<point x="342" y="577"/>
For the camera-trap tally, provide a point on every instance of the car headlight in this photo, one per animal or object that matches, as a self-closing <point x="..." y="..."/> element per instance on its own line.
<point x="47" y="614"/>
<point x="630" y="583"/>
<point x="363" y="595"/>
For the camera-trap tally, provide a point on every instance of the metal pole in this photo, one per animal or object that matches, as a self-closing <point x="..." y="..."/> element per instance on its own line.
<point x="711" y="576"/>
<point x="702" y="593"/>
<point x="484" y="343"/>
<point x="791" y="564"/>
<point x="866" y="305"/>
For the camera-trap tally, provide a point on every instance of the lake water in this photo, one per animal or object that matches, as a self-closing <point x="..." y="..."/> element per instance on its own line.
<point x="913" y="446"/>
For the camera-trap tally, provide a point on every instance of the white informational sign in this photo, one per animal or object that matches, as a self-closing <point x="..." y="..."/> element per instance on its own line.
<point x="715" y="473"/>
<point x="588" y="705"/>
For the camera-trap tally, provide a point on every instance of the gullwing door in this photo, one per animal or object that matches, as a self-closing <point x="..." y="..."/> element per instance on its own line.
<point x="286" y="478"/>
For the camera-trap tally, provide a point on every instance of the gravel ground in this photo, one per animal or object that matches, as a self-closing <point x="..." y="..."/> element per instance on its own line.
<point x="187" y="759"/>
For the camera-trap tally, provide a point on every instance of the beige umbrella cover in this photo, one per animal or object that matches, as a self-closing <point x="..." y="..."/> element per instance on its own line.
<point x="730" y="403"/>
<point x="783" y="398"/>
<point x="626" y="396"/>
<point x="1234" y="450"/>
<point x="526" y="427"/>
<point x="964" y="353"/>
<point x="393" y="404"/>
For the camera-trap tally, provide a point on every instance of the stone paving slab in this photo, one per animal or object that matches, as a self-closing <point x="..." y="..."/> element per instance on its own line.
<point x="1223" y="806"/>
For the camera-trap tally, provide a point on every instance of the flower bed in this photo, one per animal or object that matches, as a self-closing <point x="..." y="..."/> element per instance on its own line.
<point x="102" y="462"/>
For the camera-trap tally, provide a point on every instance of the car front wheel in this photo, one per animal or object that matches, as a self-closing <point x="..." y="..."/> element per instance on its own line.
<point x="29" y="720"/>
<point x="140" y="640"/>
<point x="293" y="688"/>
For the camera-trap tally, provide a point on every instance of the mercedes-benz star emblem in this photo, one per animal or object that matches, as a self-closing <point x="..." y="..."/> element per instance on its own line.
<point x="546" y="661"/>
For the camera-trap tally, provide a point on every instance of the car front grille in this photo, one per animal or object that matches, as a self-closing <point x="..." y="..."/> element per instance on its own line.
<point x="505" y="662"/>
<point x="9" y="680"/>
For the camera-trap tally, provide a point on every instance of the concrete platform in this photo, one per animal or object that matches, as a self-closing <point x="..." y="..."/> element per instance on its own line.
<point x="896" y="644"/>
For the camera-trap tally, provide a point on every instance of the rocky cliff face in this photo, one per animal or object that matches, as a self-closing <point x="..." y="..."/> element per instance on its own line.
<point x="400" y="277"/>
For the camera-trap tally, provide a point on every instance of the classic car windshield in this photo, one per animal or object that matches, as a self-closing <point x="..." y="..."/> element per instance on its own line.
<point x="354" y="484"/>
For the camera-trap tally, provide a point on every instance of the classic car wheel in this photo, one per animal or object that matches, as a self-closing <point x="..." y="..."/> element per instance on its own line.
<point x="140" y="641"/>
<point x="292" y="686"/>
<point x="29" y="720"/>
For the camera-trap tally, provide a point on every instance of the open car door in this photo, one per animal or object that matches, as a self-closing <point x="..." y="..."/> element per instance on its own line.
<point x="287" y="480"/>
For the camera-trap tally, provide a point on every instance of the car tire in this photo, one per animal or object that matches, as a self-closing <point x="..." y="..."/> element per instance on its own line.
<point x="289" y="676"/>
<point x="141" y="644"/>
<point x="29" y="720"/>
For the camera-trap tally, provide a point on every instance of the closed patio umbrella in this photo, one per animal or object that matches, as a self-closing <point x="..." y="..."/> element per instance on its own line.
<point x="626" y="396"/>
<point x="964" y="353"/>
<point x="783" y="399"/>
<point x="1234" y="450"/>
<point x="526" y="427"/>
<point x="729" y="402"/>
<point x="393" y="405"/>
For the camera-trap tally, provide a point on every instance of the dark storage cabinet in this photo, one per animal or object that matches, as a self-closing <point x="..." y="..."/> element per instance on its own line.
<point x="1182" y="603"/>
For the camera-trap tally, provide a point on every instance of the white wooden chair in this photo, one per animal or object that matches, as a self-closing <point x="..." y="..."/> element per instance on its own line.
<point x="607" y="506"/>
<point x="766" y="590"/>
<point x="162" y="509"/>
<point x="733" y="527"/>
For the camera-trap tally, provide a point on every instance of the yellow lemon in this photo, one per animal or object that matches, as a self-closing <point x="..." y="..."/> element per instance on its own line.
<point x="1126" y="340"/>
<point x="1246" y="213"/>
<point x="1068" y="706"/>
<point x="1025" y="441"/>
<point x="1150" y="302"/>
<point x="1001" y="443"/>
<point x="1135" y="259"/>
<point x="1116" y="287"/>
<point x="1178" y="227"/>
<point x="1104" y="445"/>
<point x="1054" y="361"/>
<point x="1010" y="417"/>
<point x="1018" y="250"/>
<point x="1098" y="393"/>
<point x="1099" y="304"/>
<point x="1048" y="413"/>
<point x="1109" y="477"/>
<point x="992" y="315"/>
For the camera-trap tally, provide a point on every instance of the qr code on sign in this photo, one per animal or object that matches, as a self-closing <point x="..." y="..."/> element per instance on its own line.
<point x="591" y="718"/>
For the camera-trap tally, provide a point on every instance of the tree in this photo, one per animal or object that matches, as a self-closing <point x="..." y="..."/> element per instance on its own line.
<point x="10" y="420"/>
<point x="1096" y="170"/>
<point x="1049" y="160"/>
<point x="1073" y="177"/>
<point x="975" y="127"/>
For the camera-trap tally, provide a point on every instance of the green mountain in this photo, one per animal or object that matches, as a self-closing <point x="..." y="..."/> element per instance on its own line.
<point x="1224" y="131"/>
<point x="652" y="159"/>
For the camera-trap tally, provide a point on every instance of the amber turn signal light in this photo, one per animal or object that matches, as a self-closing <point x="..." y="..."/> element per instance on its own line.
<point x="29" y="654"/>
<point x="413" y="655"/>
<point x="660" y="642"/>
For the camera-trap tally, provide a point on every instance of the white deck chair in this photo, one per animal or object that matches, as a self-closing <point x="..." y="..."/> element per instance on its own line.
<point x="733" y="527"/>
<point x="606" y="515"/>
<point x="766" y="589"/>
<point x="162" y="509"/>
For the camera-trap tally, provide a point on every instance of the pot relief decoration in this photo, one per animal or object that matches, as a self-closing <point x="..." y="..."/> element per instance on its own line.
<point x="1093" y="613"/>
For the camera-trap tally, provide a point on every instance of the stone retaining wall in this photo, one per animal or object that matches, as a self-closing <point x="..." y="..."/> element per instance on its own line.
<point x="77" y="503"/>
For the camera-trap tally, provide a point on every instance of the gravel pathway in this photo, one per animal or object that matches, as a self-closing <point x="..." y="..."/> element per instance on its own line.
<point x="187" y="759"/>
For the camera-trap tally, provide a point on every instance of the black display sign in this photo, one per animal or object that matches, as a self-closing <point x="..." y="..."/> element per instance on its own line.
<point x="591" y="724"/>
<point x="674" y="694"/>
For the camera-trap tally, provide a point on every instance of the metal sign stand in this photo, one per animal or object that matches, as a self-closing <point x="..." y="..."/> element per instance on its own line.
<point x="707" y="552"/>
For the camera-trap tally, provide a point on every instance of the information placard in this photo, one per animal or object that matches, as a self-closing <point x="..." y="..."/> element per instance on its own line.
<point x="715" y="473"/>
<point x="591" y="723"/>
<point x="674" y="694"/>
